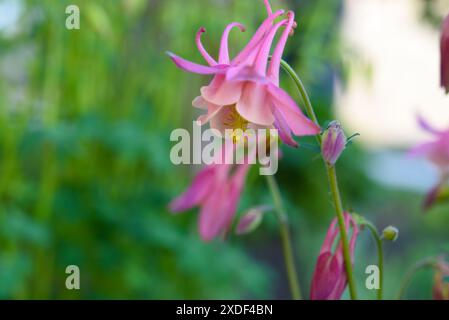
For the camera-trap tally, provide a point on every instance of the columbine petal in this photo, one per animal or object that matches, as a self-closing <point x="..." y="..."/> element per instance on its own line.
<point x="211" y="61"/>
<point x="222" y="92"/>
<point x="284" y="131"/>
<point x="268" y="7"/>
<point x="298" y="123"/>
<point x="426" y="126"/>
<point x="199" y="103"/>
<point x="223" y="56"/>
<point x="275" y="63"/>
<point x="257" y="38"/>
<point x="326" y="275"/>
<point x="198" y="190"/>
<point x="254" y="105"/>
<point x="212" y="112"/>
<point x="196" y="68"/>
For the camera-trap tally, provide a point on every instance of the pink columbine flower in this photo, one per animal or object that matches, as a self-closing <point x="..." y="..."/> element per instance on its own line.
<point x="216" y="189"/>
<point x="445" y="55"/>
<point x="437" y="152"/>
<point x="244" y="92"/>
<point x="334" y="142"/>
<point x="329" y="278"/>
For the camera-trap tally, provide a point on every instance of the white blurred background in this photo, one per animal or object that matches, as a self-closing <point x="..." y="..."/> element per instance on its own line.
<point x="394" y="76"/>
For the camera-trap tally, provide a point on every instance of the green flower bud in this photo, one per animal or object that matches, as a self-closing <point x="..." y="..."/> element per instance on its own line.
<point x="390" y="233"/>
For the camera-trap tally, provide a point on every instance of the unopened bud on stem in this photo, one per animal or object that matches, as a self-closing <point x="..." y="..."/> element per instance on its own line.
<point x="334" y="142"/>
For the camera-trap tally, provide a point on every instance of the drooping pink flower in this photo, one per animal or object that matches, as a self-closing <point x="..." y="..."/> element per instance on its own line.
<point x="329" y="278"/>
<point x="444" y="47"/>
<point x="216" y="189"/>
<point x="246" y="88"/>
<point x="217" y="192"/>
<point x="334" y="142"/>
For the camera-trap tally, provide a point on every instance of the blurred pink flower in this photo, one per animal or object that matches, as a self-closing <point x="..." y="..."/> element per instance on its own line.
<point x="245" y="91"/>
<point x="334" y="142"/>
<point x="216" y="189"/>
<point x="440" y="282"/>
<point x="329" y="278"/>
<point x="445" y="55"/>
<point x="437" y="150"/>
<point x="217" y="192"/>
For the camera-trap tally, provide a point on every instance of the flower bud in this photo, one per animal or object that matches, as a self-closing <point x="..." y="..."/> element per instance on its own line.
<point x="334" y="142"/>
<point x="445" y="55"/>
<point x="250" y="221"/>
<point x="390" y="233"/>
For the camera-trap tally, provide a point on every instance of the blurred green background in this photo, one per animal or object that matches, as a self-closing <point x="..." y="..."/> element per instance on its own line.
<point x="85" y="176"/>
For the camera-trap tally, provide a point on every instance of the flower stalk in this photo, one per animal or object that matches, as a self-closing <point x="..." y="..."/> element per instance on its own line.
<point x="426" y="263"/>
<point x="380" y="255"/>
<point x="332" y="177"/>
<point x="285" y="238"/>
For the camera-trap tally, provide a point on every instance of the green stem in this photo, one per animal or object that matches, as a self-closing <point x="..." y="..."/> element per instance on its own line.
<point x="332" y="176"/>
<point x="380" y="256"/>
<point x="285" y="237"/>
<point x="333" y="183"/>
<point x="426" y="263"/>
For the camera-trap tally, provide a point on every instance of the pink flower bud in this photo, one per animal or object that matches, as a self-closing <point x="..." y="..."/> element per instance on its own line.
<point x="251" y="220"/>
<point x="334" y="142"/>
<point x="329" y="278"/>
<point x="445" y="55"/>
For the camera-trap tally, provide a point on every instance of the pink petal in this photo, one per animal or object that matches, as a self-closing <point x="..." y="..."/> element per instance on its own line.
<point x="257" y="38"/>
<point x="296" y="120"/>
<point x="236" y="187"/>
<point x="196" y="193"/>
<point x="212" y="112"/>
<point x="325" y="277"/>
<point x="244" y="72"/>
<point x="261" y="62"/>
<point x="268" y="7"/>
<point x="220" y="207"/>
<point x="425" y="125"/>
<point x="223" y="56"/>
<point x="210" y="220"/>
<point x="424" y="149"/>
<point x="211" y="61"/>
<point x="196" y="68"/>
<point x="199" y="103"/>
<point x="254" y="105"/>
<point x="222" y="92"/>
<point x="275" y="63"/>
<point x="331" y="235"/>
<point x="283" y="129"/>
